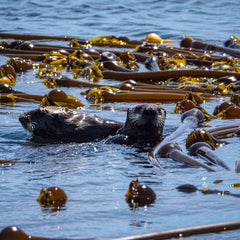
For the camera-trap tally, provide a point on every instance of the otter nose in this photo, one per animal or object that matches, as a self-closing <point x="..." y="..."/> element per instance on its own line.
<point x="149" y="111"/>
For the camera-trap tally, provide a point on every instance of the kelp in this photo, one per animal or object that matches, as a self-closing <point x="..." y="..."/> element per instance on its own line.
<point x="55" y="97"/>
<point x="139" y="195"/>
<point x="108" y="94"/>
<point x="173" y="151"/>
<point x="59" y="98"/>
<point x="151" y="70"/>
<point x="8" y="74"/>
<point x="206" y="151"/>
<point x="174" y="65"/>
<point x="202" y="135"/>
<point x="52" y="196"/>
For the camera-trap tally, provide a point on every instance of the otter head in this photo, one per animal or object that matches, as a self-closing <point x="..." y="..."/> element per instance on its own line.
<point x="144" y="122"/>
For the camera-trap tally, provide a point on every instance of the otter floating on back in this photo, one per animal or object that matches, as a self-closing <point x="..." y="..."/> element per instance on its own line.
<point x="144" y="123"/>
<point x="58" y="124"/>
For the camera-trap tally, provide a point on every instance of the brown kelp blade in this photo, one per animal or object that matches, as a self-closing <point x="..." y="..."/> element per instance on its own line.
<point x="15" y="233"/>
<point x="204" y="150"/>
<point x="180" y="156"/>
<point x="225" y="131"/>
<point x="166" y="74"/>
<point x="185" y="232"/>
<point x="213" y="47"/>
<point x="12" y="162"/>
<point x="190" y="119"/>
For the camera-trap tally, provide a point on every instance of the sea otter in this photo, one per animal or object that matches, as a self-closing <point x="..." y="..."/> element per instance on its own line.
<point x="144" y="123"/>
<point x="58" y="124"/>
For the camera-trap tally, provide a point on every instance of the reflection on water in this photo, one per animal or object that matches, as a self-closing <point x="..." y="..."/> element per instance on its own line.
<point x="95" y="176"/>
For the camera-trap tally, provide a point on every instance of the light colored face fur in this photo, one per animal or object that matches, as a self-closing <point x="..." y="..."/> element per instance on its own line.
<point x="145" y="114"/>
<point x="144" y="122"/>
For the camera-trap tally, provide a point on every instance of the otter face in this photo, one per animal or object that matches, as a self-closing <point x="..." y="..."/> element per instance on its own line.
<point x="145" y="121"/>
<point x="145" y="114"/>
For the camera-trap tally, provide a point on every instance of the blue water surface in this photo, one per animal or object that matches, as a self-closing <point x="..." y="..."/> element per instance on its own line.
<point x="95" y="176"/>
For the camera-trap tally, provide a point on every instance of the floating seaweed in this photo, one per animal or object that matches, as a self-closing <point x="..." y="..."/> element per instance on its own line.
<point x="148" y="70"/>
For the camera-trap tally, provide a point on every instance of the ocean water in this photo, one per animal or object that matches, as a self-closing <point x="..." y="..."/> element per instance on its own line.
<point x="95" y="176"/>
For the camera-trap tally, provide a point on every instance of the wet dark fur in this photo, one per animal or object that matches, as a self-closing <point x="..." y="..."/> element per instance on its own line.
<point x="64" y="125"/>
<point x="144" y="123"/>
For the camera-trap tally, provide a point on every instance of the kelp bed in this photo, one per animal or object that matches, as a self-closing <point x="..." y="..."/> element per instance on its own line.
<point x="150" y="70"/>
<point x="185" y="73"/>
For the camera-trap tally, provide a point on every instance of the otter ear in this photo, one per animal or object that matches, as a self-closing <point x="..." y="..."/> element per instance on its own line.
<point x="127" y="119"/>
<point x="163" y="111"/>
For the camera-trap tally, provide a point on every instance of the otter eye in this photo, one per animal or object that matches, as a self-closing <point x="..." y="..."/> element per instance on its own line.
<point x="162" y="111"/>
<point x="138" y="109"/>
